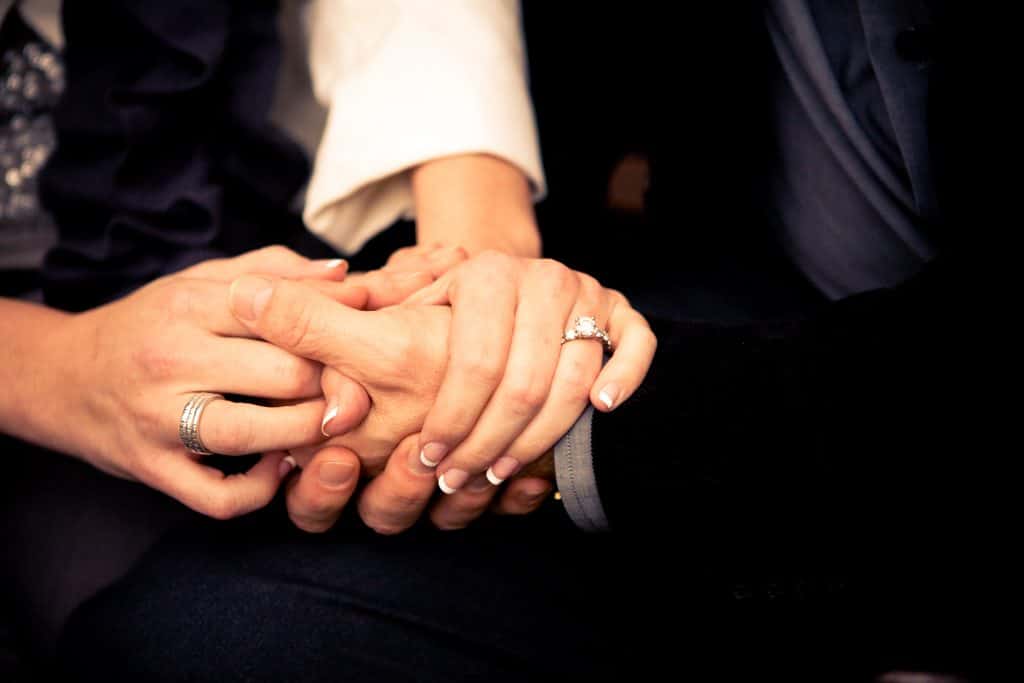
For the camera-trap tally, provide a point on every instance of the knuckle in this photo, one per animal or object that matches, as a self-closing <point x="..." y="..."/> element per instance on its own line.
<point x="554" y="274"/>
<point x="526" y="396"/>
<point x="158" y="360"/>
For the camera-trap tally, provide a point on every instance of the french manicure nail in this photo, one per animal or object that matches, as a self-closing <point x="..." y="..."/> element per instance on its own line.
<point x="416" y="464"/>
<point x="286" y="466"/>
<point x="609" y="395"/>
<point x="330" y="414"/>
<point x="335" y="263"/>
<point x="249" y="295"/>
<point x="502" y="470"/>
<point x="335" y="473"/>
<point x="432" y="454"/>
<point x="452" y="480"/>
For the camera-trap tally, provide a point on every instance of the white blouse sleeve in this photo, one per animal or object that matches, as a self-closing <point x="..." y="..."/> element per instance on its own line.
<point x="406" y="81"/>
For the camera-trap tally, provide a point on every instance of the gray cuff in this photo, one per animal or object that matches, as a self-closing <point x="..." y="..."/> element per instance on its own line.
<point x="574" y="470"/>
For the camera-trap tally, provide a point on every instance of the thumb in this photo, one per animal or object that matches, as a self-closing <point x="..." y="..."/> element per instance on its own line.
<point x="301" y="320"/>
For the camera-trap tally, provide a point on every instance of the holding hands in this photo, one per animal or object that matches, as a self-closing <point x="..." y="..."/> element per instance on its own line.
<point x="479" y="388"/>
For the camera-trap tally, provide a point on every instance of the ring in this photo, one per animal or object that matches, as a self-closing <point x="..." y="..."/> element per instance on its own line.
<point x="585" y="327"/>
<point x="188" y="427"/>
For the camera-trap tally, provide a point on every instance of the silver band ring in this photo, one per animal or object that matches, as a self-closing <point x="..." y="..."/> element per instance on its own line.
<point x="585" y="327"/>
<point x="188" y="427"/>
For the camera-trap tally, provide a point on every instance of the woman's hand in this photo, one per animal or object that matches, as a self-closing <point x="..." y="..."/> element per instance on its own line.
<point x="511" y="389"/>
<point x="129" y="367"/>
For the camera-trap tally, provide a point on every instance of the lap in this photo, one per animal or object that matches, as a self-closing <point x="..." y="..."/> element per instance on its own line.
<point x="257" y="600"/>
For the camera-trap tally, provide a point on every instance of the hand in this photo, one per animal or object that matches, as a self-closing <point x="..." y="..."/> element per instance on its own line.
<point x="129" y="368"/>
<point x="386" y="368"/>
<point x="511" y="389"/>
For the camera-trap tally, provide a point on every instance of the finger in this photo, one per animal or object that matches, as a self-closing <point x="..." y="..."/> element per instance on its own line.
<point x="231" y="428"/>
<point x="394" y="500"/>
<point x="460" y="509"/>
<point x="635" y="345"/>
<point x="318" y="495"/>
<point x="411" y="254"/>
<point x="483" y="319"/>
<point x="213" y="493"/>
<point x="253" y="368"/>
<point x="442" y="260"/>
<point x="275" y="260"/>
<point x="435" y="294"/>
<point x="303" y="321"/>
<point x="387" y="288"/>
<point x="548" y="294"/>
<point x="578" y="367"/>
<point x="348" y="404"/>
<point x="523" y="496"/>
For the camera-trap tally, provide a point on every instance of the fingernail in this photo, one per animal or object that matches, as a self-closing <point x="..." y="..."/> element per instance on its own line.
<point x="249" y="295"/>
<point x="432" y="454"/>
<point x="286" y="466"/>
<point x="452" y="480"/>
<point x="336" y="263"/>
<point x="609" y="395"/>
<point x="334" y="473"/>
<point x="332" y="412"/>
<point x="416" y="464"/>
<point x="502" y="470"/>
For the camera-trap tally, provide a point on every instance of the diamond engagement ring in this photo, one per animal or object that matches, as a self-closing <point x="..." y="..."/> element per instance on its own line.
<point x="188" y="427"/>
<point x="585" y="327"/>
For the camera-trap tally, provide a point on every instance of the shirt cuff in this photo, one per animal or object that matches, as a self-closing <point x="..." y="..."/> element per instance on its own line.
<point x="409" y="85"/>
<point x="574" y="472"/>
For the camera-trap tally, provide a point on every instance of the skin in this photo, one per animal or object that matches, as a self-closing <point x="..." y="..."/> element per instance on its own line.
<point x="108" y="385"/>
<point x="509" y="390"/>
<point x="398" y="355"/>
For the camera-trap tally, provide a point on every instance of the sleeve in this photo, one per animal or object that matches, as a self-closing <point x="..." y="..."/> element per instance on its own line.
<point x="407" y="81"/>
<point x="843" y="439"/>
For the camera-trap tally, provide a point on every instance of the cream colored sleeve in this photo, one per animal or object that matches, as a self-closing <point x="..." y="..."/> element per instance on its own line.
<point x="406" y="81"/>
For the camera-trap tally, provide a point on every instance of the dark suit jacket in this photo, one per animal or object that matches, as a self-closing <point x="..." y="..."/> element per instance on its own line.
<point x="848" y="444"/>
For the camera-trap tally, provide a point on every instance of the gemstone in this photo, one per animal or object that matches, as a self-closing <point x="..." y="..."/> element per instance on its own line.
<point x="586" y="326"/>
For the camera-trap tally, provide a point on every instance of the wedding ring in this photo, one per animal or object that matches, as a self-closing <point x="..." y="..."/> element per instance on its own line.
<point x="585" y="327"/>
<point x="188" y="426"/>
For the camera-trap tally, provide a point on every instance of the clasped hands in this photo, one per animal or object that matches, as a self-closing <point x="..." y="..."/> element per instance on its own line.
<point x="462" y="386"/>
<point x="436" y="373"/>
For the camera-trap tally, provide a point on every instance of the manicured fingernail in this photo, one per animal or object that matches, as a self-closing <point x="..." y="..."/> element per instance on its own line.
<point x="335" y="473"/>
<point x="330" y="414"/>
<point x="432" y="454"/>
<point x="336" y="263"/>
<point x="609" y="395"/>
<point x="286" y="466"/>
<point x="416" y="464"/>
<point x="249" y="295"/>
<point x="452" y="480"/>
<point x="502" y="470"/>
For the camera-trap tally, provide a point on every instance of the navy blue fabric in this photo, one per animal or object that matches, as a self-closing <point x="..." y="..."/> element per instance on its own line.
<point x="166" y="156"/>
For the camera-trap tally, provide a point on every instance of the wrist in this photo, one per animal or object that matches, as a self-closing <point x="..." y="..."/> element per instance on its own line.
<point x="475" y="201"/>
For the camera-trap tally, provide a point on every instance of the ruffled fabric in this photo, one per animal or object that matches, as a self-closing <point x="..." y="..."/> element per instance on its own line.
<point x="166" y="156"/>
